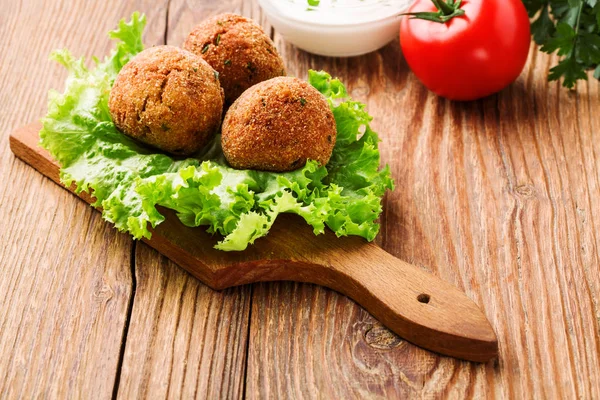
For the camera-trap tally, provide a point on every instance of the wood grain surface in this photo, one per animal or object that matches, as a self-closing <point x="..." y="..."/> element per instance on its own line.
<point x="500" y="197"/>
<point x="66" y="276"/>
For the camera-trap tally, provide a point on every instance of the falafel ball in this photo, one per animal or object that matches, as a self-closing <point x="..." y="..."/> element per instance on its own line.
<point x="168" y="98"/>
<point x="278" y="125"/>
<point x="238" y="49"/>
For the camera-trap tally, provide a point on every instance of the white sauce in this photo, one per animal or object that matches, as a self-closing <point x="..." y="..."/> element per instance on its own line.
<point x="339" y="28"/>
<point x="340" y="12"/>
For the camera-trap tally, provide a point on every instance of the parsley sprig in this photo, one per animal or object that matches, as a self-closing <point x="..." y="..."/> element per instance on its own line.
<point x="571" y="28"/>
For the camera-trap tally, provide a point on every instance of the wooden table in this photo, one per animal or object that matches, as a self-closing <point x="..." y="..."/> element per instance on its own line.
<point x="500" y="197"/>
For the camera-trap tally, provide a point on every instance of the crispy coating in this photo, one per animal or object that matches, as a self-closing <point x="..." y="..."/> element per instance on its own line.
<point x="168" y="98"/>
<point x="238" y="49"/>
<point x="277" y="125"/>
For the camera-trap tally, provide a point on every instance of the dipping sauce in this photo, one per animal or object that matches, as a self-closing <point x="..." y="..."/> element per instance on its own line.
<point x="336" y="27"/>
<point x="340" y="12"/>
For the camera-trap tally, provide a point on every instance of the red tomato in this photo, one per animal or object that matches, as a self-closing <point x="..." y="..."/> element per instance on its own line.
<point x="472" y="55"/>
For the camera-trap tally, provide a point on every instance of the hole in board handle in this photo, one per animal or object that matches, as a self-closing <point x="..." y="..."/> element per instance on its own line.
<point x="423" y="298"/>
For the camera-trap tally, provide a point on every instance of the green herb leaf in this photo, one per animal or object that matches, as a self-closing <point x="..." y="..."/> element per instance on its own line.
<point x="543" y="27"/>
<point x="568" y="69"/>
<point x="562" y="41"/>
<point x="571" y="29"/>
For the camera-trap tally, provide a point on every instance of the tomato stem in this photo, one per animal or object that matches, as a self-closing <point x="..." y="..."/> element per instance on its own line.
<point x="443" y="7"/>
<point x="446" y="10"/>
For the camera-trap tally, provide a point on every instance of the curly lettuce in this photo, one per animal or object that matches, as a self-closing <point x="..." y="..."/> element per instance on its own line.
<point x="129" y="180"/>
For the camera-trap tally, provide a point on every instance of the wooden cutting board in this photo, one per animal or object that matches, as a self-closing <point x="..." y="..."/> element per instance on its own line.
<point x="416" y="305"/>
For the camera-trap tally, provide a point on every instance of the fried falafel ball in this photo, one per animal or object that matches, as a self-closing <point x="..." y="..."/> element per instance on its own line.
<point x="278" y="125"/>
<point x="238" y="49"/>
<point x="168" y="98"/>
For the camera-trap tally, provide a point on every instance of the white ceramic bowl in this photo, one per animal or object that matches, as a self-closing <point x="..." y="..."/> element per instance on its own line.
<point x="337" y="28"/>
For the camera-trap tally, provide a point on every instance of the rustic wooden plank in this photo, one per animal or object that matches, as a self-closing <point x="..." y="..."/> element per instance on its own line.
<point x="499" y="197"/>
<point x="185" y="339"/>
<point x="65" y="277"/>
<point x="502" y="200"/>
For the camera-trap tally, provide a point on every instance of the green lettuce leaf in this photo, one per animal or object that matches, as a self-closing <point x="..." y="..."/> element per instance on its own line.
<point x="130" y="180"/>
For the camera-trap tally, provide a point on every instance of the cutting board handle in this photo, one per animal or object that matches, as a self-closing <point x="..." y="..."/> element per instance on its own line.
<point x="416" y="305"/>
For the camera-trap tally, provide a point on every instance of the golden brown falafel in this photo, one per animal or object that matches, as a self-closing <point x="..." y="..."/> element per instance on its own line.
<point x="238" y="49"/>
<point x="168" y="98"/>
<point x="278" y="125"/>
